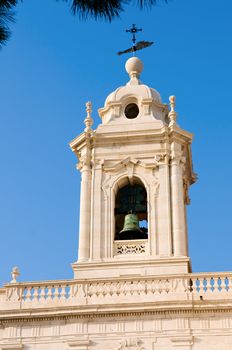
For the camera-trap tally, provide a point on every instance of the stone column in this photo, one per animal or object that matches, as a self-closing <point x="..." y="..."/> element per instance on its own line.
<point x="178" y="210"/>
<point x="85" y="217"/>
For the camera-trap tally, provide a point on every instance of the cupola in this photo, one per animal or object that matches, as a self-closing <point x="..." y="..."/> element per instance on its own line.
<point x="134" y="100"/>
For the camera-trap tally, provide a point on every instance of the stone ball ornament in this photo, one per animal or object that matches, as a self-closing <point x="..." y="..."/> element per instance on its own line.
<point x="134" y="64"/>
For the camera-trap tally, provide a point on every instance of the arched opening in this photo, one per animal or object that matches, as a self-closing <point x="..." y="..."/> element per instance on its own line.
<point x="131" y="212"/>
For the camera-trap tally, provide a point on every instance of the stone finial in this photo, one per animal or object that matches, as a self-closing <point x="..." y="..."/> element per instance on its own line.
<point x="15" y="273"/>
<point x="172" y="114"/>
<point x="88" y="120"/>
<point x="134" y="67"/>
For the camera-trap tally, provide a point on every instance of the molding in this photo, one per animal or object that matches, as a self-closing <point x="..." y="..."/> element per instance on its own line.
<point x="189" y="311"/>
<point x="182" y="341"/>
<point x="131" y="162"/>
<point x="11" y="347"/>
<point x="79" y="344"/>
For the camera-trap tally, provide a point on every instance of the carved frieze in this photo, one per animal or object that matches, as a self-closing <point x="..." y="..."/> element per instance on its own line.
<point x="130" y="344"/>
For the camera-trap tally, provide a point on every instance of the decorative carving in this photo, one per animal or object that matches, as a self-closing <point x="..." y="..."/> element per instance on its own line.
<point x="15" y="274"/>
<point x="155" y="188"/>
<point x="130" y="344"/>
<point x="106" y="186"/>
<point x="129" y="162"/>
<point x="180" y="285"/>
<point x="14" y="294"/>
<point x="172" y="114"/>
<point x="178" y="159"/>
<point x="160" y="158"/>
<point x="130" y="247"/>
<point x="88" y="120"/>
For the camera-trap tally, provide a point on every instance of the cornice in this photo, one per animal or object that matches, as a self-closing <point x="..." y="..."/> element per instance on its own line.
<point x="85" y="138"/>
<point x="176" y="133"/>
<point x="190" y="311"/>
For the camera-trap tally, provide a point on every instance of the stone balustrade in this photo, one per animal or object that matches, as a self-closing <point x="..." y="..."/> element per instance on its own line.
<point x="211" y="285"/>
<point x="198" y="286"/>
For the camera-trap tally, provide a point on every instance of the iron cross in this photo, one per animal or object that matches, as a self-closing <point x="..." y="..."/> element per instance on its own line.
<point x="133" y="30"/>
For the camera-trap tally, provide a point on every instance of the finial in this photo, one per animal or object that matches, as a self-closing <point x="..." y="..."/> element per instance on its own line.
<point x="15" y="273"/>
<point x="88" y="120"/>
<point x="172" y="114"/>
<point x="134" y="67"/>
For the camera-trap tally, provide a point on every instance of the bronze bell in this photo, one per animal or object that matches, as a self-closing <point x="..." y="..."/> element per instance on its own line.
<point x="131" y="229"/>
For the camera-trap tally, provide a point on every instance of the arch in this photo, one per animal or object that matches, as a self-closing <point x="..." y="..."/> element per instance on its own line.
<point x="122" y="180"/>
<point x="130" y="198"/>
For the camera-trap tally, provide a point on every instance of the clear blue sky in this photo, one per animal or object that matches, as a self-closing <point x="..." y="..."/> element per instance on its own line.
<point x="52" y="65"/>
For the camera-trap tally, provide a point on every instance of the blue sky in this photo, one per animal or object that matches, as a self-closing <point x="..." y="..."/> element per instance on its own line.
<point x="52" y="65"/>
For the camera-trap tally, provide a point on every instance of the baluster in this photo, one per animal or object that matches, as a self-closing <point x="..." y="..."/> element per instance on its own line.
<point x="200" y="287"/>
<point x="30" y="293"/>
<point x="20" y="293"/>
<point x="211" y="285"/>
<point x="223" y="284"/>
<point x="25" y="294"/>
<point x="167" y="286"/>
<point x="205" y="284"/>
<point x="229" y="286"/>
<point x="68" y="291"/>
<point x="119" y="289"/>
<point x="49" y="292"/>
<point x="56" y="293"/>
<point x="113" y="288"/>
<point x="62" y="293"/>
<point x="36" y="294"/>
<point x="218" y="284"/>
<point x="148" y="287"/>
<point x="106" y="289"/>
<point x="141" y="288"/>
<point x="43" y="294"/>
<point x="193" y="285"/>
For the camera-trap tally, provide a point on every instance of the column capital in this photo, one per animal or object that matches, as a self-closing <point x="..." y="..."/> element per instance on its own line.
<point x="178" y="159"/>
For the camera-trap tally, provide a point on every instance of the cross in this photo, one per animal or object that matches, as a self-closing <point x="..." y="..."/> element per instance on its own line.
<point x="133" y="30"/>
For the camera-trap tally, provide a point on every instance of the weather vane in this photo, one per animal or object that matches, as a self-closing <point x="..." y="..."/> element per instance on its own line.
<point x="135" y="47"/>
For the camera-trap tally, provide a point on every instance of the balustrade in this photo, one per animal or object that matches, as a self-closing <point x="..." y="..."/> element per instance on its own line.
<point x="212" y="286"/>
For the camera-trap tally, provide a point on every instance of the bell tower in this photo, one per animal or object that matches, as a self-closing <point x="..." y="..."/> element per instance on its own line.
<point x="136" y="169"/>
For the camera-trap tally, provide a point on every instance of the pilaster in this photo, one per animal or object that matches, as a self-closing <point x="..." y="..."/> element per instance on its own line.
<point x="177" y="200"/>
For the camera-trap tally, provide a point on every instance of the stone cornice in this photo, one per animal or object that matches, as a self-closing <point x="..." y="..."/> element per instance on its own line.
<point x="190" y="310"/>
<point x="84" y="139"/>
<point x="178" y="134"/>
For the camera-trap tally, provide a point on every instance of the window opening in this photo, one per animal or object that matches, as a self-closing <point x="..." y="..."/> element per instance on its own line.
<point x="131" y="213"/>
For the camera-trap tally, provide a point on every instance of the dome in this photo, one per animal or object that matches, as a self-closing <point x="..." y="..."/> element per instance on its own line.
<point x="134" y="87"/>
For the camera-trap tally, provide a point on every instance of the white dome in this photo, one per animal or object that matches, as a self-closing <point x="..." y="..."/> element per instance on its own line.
<point x="134" y="87"/>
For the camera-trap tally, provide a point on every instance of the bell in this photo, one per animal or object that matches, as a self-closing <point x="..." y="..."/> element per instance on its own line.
<point x="131" y="229"/>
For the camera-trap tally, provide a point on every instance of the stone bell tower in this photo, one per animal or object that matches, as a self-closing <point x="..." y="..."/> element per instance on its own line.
<point x="137" y="160"/>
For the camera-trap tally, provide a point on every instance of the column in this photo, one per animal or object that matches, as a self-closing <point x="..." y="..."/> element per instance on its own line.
<point x="178" y="210"/>
<point x="85" y="217"/>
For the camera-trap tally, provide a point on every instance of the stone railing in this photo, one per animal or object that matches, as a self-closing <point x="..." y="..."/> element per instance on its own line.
<point x="130" y="247"/>
<point x="211" y="284"/>
<point x="40" y="291"/>
<point x="122" y="290"/>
